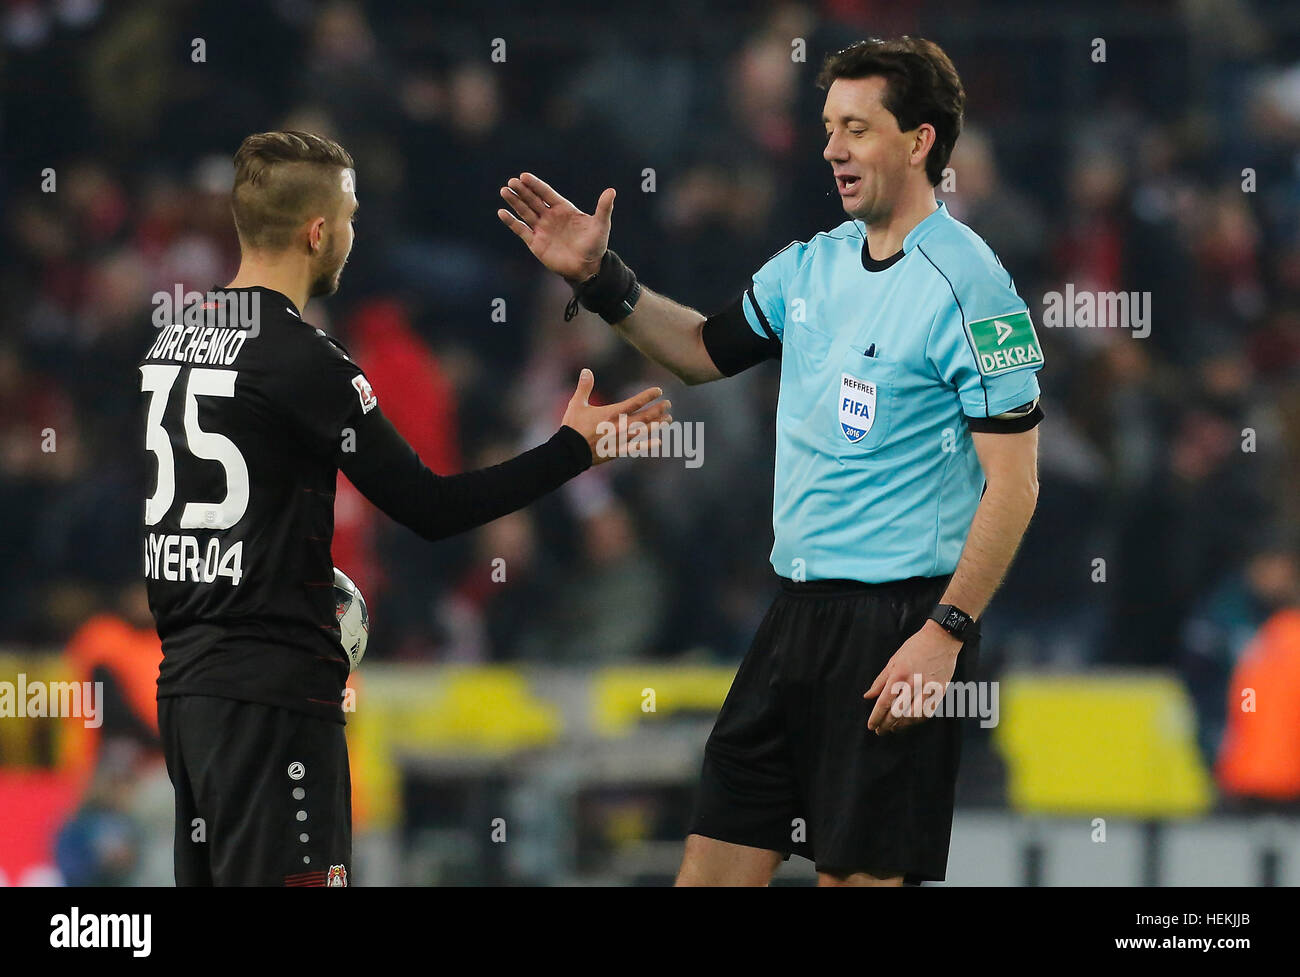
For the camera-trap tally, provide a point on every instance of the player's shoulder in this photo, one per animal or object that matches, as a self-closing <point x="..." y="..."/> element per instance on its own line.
<point x="966" y="262"/>
<point x="316" y="368"/>
<point x="309" y="346"/>
<point x="329" y="345"/>
<point x="290" y="337"/>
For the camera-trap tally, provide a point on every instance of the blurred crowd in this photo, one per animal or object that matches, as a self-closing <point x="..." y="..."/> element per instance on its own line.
<point x="1167" y="526"/>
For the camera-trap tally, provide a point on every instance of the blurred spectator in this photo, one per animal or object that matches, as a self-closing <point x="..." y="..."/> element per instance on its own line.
<point x="100" y="844"/>
<point x="1260" y="758"/>
<point x="121" y="830"/>
<point x="1011" y="223"/>
<point x="496" y="611"/>
<point x="609" y="608"/>
<point x="1184" y="528"/>
<point x="1228" y="620"/>
<point x="419" y="401"/>
<point x="120" y="651"/>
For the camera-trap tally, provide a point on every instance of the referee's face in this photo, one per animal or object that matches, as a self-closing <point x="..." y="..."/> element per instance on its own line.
<point x="867" y="151"/>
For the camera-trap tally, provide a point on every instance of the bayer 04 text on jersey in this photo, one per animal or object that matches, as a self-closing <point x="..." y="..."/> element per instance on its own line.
<point x="186" y="559"/>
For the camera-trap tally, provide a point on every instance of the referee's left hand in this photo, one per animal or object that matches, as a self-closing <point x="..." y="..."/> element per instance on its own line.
<point x="928" y="656"/>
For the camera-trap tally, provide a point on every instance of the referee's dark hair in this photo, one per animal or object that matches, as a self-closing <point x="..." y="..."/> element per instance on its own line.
<point x="281" y="178"/>
<point x="922" y="86"/>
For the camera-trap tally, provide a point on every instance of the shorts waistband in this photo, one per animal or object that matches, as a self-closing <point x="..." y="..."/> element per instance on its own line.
<point x="838" y="588"/>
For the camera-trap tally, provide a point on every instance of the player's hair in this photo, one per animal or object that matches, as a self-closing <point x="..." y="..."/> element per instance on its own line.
<point x="921" y="86"/>
<point x="281" y="180"/>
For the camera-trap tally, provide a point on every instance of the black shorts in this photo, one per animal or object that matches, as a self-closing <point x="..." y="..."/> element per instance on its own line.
<point x="791" y="766"/>
<point x="263" y="794"/>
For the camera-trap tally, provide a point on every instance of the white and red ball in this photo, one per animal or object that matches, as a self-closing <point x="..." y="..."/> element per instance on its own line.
<point x="353" y="618"/>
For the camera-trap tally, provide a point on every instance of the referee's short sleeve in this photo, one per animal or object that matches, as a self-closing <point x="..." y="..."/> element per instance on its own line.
<point x="764" y="302"/>
<point x="984" y="344"/>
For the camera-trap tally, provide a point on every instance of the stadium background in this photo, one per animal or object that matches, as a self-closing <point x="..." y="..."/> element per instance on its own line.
<point x="501" y="731"/>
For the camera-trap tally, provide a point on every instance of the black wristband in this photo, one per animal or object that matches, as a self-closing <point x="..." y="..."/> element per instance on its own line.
<point x="955" y="621"/>
<point x="611" y="293"/>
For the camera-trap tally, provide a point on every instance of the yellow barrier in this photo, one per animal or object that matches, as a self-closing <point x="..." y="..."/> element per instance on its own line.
<point x="452" y="711"/>
<point x="1121" y="744"/>
<point x="625" y="696"/>
<point x="20" y="741"/>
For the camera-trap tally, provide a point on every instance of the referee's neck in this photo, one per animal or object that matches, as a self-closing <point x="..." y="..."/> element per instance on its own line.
<point x="885" y="237"/>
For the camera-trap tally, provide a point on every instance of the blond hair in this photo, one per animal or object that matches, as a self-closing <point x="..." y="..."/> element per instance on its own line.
<point x="281" y="180"/>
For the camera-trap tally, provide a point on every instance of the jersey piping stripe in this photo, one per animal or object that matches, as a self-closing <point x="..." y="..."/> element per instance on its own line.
<point x="964" y="330"/>
<point x="762" y="319"/>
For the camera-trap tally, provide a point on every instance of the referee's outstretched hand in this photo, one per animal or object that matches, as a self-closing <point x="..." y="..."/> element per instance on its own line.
<point x="560" y="236"/>
<point x="610" y="430"/>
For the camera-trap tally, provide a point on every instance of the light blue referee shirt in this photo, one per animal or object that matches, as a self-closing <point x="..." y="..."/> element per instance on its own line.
<point x="876" y="473"/>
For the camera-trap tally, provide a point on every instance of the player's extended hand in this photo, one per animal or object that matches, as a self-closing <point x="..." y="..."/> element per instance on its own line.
<point x="906" y="695"/>
<point x="563" y="238"/>
<point x="601" y="427"/>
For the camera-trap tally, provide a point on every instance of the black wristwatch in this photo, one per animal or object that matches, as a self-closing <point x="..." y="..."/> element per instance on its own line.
<point x="955" y="621"/>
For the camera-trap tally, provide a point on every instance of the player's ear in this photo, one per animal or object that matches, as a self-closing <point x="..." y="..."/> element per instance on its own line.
<point x="315" y="232"/>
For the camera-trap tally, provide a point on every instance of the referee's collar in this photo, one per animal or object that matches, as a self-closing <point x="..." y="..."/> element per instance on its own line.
<point x="913" y="238"/>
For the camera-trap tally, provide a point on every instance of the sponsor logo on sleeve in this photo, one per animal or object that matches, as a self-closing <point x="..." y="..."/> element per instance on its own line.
<point x="1005" y="343"/>
<point x="368" y="398"/>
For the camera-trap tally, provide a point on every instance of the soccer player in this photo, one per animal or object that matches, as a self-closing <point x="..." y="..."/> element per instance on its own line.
<point x="906" y="474"/>
<point x="250" y="412"/>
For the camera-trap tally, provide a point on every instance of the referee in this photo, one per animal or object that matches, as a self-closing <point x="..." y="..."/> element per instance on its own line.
<point x="906" y="474"/>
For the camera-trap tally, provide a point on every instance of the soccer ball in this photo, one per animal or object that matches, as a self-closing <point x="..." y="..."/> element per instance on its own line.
<point x="353" y="618"/>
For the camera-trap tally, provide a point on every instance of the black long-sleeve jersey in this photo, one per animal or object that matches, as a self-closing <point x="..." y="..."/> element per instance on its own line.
<point x="248" y="419"/>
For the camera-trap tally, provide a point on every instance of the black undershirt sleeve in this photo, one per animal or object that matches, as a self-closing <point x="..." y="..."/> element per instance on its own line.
<point x="388" y="472"/>
<point x="732" y="345"/>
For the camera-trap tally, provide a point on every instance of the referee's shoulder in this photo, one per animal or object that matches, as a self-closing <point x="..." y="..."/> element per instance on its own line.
<point x="801" y="251"/>
<point x="847" y="234"/>
<point x="964" y="260"/>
